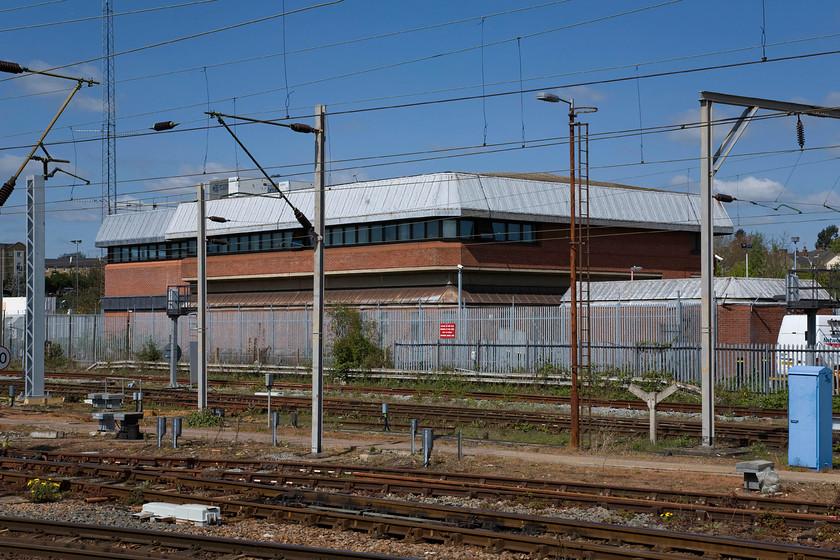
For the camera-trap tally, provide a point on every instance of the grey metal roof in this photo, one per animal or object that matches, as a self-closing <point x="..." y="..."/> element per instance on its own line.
<point x="726" y="288"/>
<point x="134" y="227"/>
<point x="448" y="194"/>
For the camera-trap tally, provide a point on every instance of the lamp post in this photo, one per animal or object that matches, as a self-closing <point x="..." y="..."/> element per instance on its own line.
<point x="747" y="247"/>
<point x="634" y="269"/>
<point x="795" y="240"/>
<point x="316" y="232"/>
<point x="574" y="351"/>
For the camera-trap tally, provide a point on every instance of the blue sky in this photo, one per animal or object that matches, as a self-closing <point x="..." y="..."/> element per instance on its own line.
<point x="361" y="58"/>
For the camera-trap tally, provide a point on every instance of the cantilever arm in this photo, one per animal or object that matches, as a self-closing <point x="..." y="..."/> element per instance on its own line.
<point x="9" y="186"/>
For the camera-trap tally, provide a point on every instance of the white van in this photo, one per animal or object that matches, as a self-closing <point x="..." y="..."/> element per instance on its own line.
<point x="792" y="341"/>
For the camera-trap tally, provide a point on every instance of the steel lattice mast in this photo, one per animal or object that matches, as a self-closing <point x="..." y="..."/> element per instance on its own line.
<point x="109" y="125"/>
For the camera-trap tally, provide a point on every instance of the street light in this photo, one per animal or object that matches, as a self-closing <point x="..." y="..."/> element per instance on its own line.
<point x="795" y="240"/>
<point x="76" y="242"/>
<point x="747" y="247"/>
<point x="634" y="269"/>
<point x="316" y="233"/>
<point x="574" y="400"/>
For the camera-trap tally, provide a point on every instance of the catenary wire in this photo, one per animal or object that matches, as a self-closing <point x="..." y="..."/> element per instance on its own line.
<point x="99" y="17"/>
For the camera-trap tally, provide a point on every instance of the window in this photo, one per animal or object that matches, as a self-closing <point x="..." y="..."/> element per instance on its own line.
<point x="433" y="229"/>
<point x="265" y="241"/>
<point x="124" y="254"/>
<point x="162" y="252"/>
<point x="336" y="237"/>
<point x="467" y="229"/>
<point x="694" y="243"/>
<point x="514" y="232"/>
<point x="363" y="234"/>
<point x="390" y="232"/>
<point x="404" y="231"/>
<point x="418" y="230"/>
<point x="144" y="252"/>
<point x="135" y="254"/>
<point x="376" y="233"/>
<point x="350" y="235"/>
<point x="254" y="240"/>
<point x="191" y="252"/>
<point x="528" y="233"/>
<point x="499" y="231"/>
<point x="450" y="229"/>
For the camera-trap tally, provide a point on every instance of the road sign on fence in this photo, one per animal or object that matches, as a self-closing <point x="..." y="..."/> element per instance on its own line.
<point x="447" y="330"/>
<point x="5" y="357"/>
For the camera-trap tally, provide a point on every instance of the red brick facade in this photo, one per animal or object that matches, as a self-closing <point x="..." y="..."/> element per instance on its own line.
<point x="612" y="253"/>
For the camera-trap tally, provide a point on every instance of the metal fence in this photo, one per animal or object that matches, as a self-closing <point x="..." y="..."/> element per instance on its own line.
<point x="627" y="339"/>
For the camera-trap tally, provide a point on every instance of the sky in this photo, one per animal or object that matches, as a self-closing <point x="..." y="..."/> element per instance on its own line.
<point x="414" y="87"/>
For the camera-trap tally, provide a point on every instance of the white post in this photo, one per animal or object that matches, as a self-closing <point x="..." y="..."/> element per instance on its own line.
<point x="318" y="284"/>
<point x="201" y="266"/>
<point x="708" y="335"/>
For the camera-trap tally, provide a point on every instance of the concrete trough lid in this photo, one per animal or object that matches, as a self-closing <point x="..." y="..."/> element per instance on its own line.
<point x="196" y="514"/>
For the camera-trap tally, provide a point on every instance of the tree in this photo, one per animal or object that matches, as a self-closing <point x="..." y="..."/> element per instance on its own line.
<point x="353" y="342"/>
<point x="825" y="237"/>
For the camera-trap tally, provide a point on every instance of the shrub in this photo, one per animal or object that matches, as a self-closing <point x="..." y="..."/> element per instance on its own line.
<point x="54" y="356"/>
<point x="353" y="342"/>
<point x="203" y="418"/>
<point x="149" y="352"/>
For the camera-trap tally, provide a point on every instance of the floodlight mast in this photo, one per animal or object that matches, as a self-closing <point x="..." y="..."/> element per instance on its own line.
<point x="15" y="68"/>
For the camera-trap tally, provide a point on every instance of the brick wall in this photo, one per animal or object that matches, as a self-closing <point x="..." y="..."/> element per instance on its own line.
<point x="612" y="251"/>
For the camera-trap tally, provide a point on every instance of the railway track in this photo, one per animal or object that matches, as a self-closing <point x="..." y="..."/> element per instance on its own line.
<point x="367" y="415"/>
<point x="513" y="397"/>
<point x="271" y="479"/>
<point x="540" y="536"/>
<point x="30" y="538"/>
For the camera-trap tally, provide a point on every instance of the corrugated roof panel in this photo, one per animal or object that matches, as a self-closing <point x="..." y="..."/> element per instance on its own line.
<point x="726" y="288"/>
<point x="134" y="227"/>
<point x="435" y="194"/>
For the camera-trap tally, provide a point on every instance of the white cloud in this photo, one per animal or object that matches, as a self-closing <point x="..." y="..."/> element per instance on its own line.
<point x="750" y="188"/>
<point x="691" y="133"/>
<point x="186" y="180"/>
<point x="86" y="210"/>
<point x="581" y="94"/>
<point x="681" y="182"/>
<point x="37" y="84"/>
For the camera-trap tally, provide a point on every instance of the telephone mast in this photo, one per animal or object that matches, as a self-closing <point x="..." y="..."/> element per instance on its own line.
<point x="109" y="125"/>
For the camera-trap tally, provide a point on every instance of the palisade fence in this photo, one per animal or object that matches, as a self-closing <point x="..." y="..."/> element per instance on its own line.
<point x="628" y="339"/>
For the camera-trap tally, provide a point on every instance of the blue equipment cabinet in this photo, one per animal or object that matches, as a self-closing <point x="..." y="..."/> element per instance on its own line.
<point x="809" y="417"/>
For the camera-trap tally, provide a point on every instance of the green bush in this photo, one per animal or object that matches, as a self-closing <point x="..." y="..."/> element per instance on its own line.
<point x="203" y="418"/>
<point x="54" y="357"/>
<point x="150" y="352"/>
<point x="353" y="342"/>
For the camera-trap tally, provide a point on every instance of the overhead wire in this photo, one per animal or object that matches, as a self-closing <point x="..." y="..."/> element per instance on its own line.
<point x="38" y="5"/>
<point x="192" y="36"/>
<point x="99" y="17"/>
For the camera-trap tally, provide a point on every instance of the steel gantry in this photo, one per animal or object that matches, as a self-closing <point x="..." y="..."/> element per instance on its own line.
<point x="709" y="164"/>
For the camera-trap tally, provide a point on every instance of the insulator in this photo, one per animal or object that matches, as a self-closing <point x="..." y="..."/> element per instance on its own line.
<point x="165" y="125"/>
<point x="304" y="128"/>
<point x="6" y="191"/>
<point x="800" y="133"/>
<point x="10" y="67"/>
